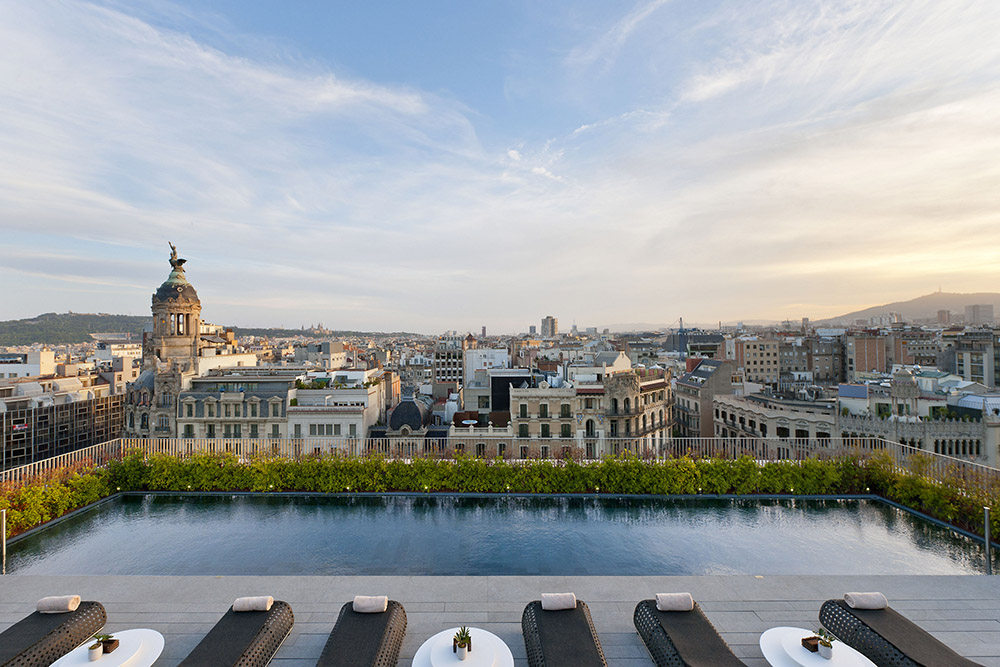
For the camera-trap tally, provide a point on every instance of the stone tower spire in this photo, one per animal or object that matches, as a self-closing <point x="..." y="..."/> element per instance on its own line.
<point x="176" y="321"/>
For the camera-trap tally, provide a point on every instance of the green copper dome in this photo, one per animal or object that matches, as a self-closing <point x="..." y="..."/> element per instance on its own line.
<point x="175" y="288"/>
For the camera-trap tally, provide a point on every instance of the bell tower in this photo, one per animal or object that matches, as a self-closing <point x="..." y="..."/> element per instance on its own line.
<point x="176" y="322"/>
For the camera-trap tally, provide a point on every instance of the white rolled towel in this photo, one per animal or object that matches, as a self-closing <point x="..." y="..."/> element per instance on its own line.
<point x="258" y="603"/>
<point x="58" y="604"/>
<point x="371" y="604"/>
<point x="874" y="600"/>
<point x="674" y="602"/>
<point x="557" y="601"/>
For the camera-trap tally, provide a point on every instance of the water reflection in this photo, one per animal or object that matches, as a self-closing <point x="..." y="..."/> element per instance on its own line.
<point x="442" y="535"/>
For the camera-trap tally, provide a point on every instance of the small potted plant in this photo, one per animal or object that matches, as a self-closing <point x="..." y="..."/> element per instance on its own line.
<point x="462" y="643"/>
<point x="825" y="643"/>
<point x="95" y="651"/>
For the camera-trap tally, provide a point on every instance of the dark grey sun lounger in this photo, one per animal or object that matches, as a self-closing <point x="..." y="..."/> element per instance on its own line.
<point x="681" y="638"/>
<point x="365" y="640"/>
<point x="564" y="638"/>
<point x="886" y="637"/>
<point x="41" y="639"/>
<point x="246" y="638"/>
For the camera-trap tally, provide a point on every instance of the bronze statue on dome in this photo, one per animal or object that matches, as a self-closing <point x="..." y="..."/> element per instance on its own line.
<point x="174" y="261"/>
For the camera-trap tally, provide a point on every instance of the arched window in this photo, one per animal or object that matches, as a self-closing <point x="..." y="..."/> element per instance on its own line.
<point x="591" y="429"/>
<point x="131" y="420"/>
<point x="628" y="406"/>
<point x="614" y="406"/>
<point x="144" y="422"/>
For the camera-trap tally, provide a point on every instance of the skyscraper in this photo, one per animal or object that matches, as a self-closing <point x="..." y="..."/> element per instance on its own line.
<point x="550" y="327"/>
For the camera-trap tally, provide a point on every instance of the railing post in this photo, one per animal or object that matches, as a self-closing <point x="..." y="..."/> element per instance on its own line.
<point x="986" y="533"/>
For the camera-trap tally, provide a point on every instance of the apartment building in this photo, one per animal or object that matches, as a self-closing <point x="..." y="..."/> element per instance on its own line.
<point x="977" y="357"/>
<point x="227" y="405"/>
<point x="482" y="358"/>
<point x="449" y="358"/>
<point x="41" y="418"/>
<point x="695" y="392"/>
<point x="864" y="353"/>
<point x="759" y="358"/>
<point x="344" y="403"/>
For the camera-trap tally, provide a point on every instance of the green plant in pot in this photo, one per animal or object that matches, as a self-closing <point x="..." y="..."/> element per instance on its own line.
<point x="462" y="643"/>
<point x="825" y="643"/>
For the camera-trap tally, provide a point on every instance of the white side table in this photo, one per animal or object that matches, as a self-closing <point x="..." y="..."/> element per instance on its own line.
<point x="488" y="650"/>
<point x="136" y="648"/>
<point x="782" y="647"/>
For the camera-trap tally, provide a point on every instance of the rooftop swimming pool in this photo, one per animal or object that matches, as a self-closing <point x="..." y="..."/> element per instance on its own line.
<point x="457" y="535"/>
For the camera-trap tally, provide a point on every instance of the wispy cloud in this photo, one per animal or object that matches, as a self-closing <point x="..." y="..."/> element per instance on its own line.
<point x="604" y="49"/>
<point x="764" y="155"/>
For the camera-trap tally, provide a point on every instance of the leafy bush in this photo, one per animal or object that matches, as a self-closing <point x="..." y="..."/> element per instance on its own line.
<point x="956" y="501"/>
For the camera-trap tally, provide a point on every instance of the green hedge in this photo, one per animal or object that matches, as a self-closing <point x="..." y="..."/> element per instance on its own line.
<point x="45" y="499"/>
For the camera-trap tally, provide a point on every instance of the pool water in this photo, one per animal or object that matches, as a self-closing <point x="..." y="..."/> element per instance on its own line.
<point x="455" y="535"/>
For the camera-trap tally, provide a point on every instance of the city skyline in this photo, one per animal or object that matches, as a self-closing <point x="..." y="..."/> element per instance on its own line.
<point x="448" y="168"/>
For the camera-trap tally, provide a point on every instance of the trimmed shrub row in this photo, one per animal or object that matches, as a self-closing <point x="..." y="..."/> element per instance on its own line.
<point x="47" y="498"/>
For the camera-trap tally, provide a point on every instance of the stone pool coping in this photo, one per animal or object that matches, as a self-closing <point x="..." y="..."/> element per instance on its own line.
<point x="962" y="611"/>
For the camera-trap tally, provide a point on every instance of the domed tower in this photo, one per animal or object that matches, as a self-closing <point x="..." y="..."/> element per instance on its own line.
<point x="176" y="321"/>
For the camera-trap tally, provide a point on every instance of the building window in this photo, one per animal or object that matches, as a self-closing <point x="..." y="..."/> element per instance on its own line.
<point x="545" y="451"/>
<point x="253" y="430"/>
<point x="564" y="410"/>
<point x="312" y="429"/>
<point x="523" y="410"/>
<point x="211" y="410"/>
<point x="189" y="410"/>
<point x="225" y="410"/>
<point x="545" y="431"/>
<point x="238" y="430"/>
<point x="336" y="429"/>
<point x="522" y="431"/>
<point x="275" y="410"/>
<point x="275" y="432"/>
<point x="484" y="402"/>
<point x="210" y="431"/>
<point x="480" y="449"/>
<point x="564" y="431"/>
<point x="298" y="430"/>
<point x="589" y="403"/>
<point x="188" y="431"/>
<point x="163" y="422"/>
<point x="543" y="410"/>
<point x="253" y="409"/>
<point x="614" y="428"/>
<point x="353" y="430"/>
<point x="524" y="451"/>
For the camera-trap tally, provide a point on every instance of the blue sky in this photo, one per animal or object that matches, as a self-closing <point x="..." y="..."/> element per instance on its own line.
<point x="432" y="166"/>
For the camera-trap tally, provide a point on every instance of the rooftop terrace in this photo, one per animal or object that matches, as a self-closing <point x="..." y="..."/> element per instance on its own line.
<point x="962" y="611"/>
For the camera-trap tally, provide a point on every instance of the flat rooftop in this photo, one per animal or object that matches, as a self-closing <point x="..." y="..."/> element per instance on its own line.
<point x="962" y="611"/>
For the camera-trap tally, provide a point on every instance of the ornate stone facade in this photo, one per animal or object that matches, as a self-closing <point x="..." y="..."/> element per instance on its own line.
<point x="169" y="356"/>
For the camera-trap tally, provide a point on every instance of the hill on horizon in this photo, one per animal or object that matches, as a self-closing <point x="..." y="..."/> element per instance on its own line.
<point x="71" y="328"/>
<point x="921" y="308"/>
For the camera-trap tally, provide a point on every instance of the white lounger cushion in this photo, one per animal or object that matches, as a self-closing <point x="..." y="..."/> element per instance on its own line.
<point x="58" y="604"/>
<point x="674" y="602"/>
<point x="557" y="601"/>
<point x="371" y="604"/>
<point x="874" y="600"/>
<point x="259" y="603"/>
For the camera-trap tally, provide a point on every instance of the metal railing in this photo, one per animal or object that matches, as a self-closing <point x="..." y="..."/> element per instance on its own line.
<point x="938" y="468"/>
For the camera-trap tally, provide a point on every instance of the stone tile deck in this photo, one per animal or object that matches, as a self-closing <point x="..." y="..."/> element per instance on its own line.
<point x="962" y="611"/>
